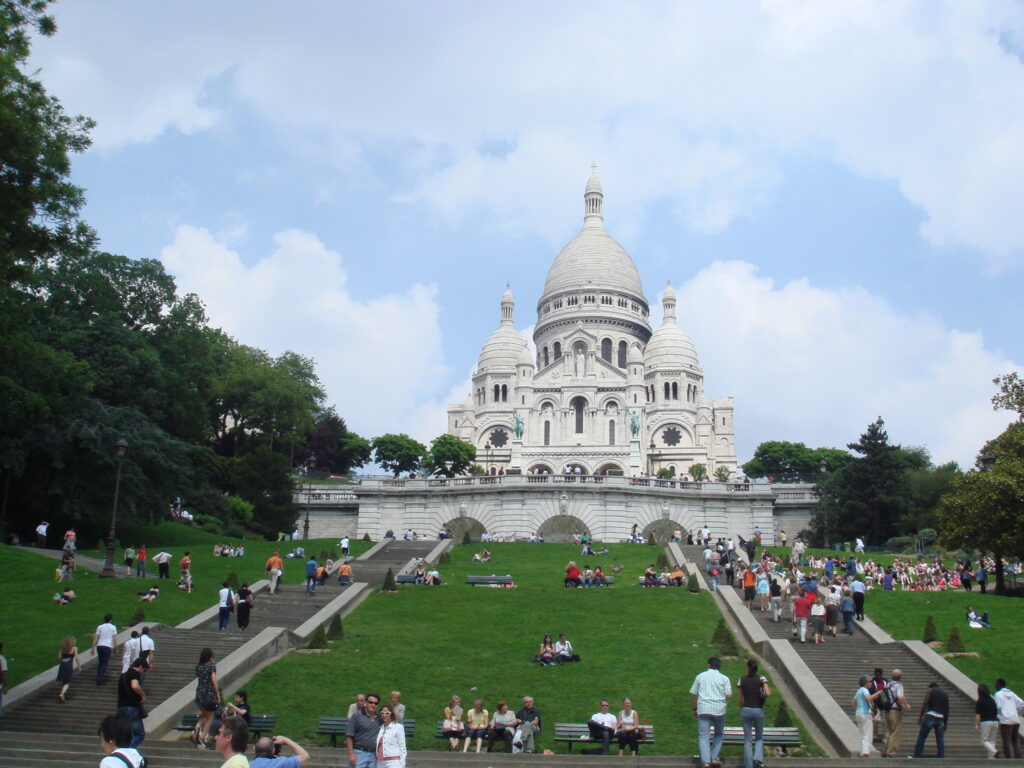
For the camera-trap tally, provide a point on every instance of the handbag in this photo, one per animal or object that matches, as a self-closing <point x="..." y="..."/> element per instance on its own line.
<point x="143" y="712"/>
<point x="641" y="733"/>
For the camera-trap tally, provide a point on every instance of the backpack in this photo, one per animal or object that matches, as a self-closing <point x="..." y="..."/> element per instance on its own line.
<point x="888" y="699"/>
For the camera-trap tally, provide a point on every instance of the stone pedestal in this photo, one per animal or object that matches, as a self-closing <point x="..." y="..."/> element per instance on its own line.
<point x="636" y="467"/>
<point x="515" y="461"/>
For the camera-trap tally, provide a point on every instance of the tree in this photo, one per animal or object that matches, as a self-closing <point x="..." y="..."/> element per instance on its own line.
<point x="722" y="474"/>
<point x="1010" y="396"/>
<point x="984" y="509"/>
<point x="787" y="462"/>
<point x="448" y="448"/>
<point x="398" y="453"/>
<point x="699" y="472"/>
<point x="870" y="494"/>
<point x="331" y="447"/>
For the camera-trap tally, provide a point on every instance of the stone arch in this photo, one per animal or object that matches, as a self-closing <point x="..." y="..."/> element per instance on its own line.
<point x="579" y="407"/>
<point x="540" y="468"/>
<point x="572" y="466"/>
<point x="458" y="527"/>
<point x="611" y="468"/>
<point x="560" y="528"/>
<point x="662" y="530"/>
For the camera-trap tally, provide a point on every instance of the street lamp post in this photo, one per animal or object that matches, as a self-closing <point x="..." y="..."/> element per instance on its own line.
<point x="309" y="496"/>
<point x="823" y="466"/>
<point x="120" y="451"/>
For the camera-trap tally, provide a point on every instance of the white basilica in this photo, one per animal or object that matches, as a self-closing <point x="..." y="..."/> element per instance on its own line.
<point x="604" y="395"/>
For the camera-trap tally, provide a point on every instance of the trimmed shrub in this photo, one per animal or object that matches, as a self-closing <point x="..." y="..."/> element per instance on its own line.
<point x="138" y="617"/>
<point x="727" y="646"/>
<point x="445" y="558"/>
<point x="336" y="631"/>
<point x="233" y="582"/>
<point x="783" y="718"/>
<point x="319" y="638"/>
<point x="955" y="643"/>
<point x="662" y="561"/>
<point x="366" y="538"/>
<point x="389" y="582"/>
<point x="931" y="634"/>
<point x="692" y="584"/>
<point x="720" y="633"/>
<point x="466" y="539"/>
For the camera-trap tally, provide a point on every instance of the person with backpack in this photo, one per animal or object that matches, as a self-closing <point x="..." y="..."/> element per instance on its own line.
<point x="115" y="739"/>
<point x="891" y="703"/>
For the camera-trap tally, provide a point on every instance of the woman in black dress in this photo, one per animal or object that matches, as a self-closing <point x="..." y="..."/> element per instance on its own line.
<point x="68" y="664"/>
<point x="244" y="605"/>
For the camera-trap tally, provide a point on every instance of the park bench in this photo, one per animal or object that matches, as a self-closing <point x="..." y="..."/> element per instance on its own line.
<point x="336" y="726"/>
<point x="490" y="581"/>
<point x="773" y="737"/>
<point x="579" y="733"/>
<point x="405" y="578"/>
<point x="258" y="724"/>
<point x="640" y="580"/>
<point x="609" y="580"/>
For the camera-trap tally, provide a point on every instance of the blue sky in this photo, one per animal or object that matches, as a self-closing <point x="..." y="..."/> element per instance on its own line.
<point x="834" y="189"/>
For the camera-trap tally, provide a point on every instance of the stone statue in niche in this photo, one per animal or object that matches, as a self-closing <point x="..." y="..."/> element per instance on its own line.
<point x="581" y="363"/>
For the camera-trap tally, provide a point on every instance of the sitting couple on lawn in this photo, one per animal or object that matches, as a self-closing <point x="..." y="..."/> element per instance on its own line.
<point x="555" y="653"/>
<point x="574" y="577"/>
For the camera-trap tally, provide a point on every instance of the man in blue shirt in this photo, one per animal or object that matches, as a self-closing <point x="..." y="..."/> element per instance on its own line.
<point x="268" y="753"/>
<point x="311" y="567"/>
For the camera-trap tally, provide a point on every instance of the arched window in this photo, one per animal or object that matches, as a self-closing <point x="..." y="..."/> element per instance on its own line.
<point x="611" y="432"/>
<point x="675" y="390"/>
<point x="622" y="354"/>
<point x="606" y="350"/>
<point x="545" y="357"/>
<point x="668" y="391"/>
<point x="497" y="393"/>
<point x="558" y="350"/>
<point x="547" y="433"/>
<point x="504" y="393"/>
<point x="578" y="405"/>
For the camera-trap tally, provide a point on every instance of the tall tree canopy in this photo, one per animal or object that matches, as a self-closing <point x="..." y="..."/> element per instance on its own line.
<point x="99" y="346"/>
<point x="787" y="462"/>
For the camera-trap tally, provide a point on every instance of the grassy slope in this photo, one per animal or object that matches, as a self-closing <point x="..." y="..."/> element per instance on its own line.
<point x="431" y="643"/>
<point x="32" y="625"/>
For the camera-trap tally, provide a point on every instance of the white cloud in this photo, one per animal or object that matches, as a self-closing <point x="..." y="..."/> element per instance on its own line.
<point x="808" y="365"/>
<point x="378" y="358"/>
<point x="701" y="103"/>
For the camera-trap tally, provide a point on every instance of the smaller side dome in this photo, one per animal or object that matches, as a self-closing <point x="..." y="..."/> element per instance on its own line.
<point x="634" y="355"/>
<point x="525" y="358"/>
<point x="669" y="346"/>
<point x="504" y="349"/>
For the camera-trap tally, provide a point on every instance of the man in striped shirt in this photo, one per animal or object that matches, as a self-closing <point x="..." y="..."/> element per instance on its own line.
<point x="708" y="696"/>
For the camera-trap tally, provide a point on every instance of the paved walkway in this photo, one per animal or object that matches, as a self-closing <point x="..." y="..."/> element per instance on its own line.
<point x="83" y="561"/>
<point x="840" y="661"/>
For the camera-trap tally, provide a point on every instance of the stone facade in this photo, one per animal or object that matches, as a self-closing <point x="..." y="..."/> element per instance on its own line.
<point x="602" y="395"/>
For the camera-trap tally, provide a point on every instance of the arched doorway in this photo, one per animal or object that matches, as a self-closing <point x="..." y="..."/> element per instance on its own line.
<point x="609" y="469"/>
<point x="458" y="527"/>
<point x="561" y="528"/>
<point x="663" y="530"/>
<point x="573" y="468"/>
<point x="539" y="469"/>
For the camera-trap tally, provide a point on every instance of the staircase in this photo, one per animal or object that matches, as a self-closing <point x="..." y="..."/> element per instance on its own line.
<point x="74" y="722"/>
<point x="840" y="662"/>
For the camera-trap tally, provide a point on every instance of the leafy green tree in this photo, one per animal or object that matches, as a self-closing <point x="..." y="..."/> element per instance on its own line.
<point x="448" y="448"/>
<point x="664" y="473"/>
<point x="722" y="474"/>
<point x="398" y="453"/>
<point x="699" y="472"/>
<point x="332" y="448"/>
<point x="787" y="462"/>
<point x="869" y="495"/>
<point x="1010" y="396"/>
<point x="984" y="509"/>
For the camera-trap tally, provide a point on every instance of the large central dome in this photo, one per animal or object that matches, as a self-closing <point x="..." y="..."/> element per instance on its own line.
<point x="593" y="258"/>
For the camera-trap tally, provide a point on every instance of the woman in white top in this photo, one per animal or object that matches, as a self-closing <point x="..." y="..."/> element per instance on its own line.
<point x="453" y="725"/>
<point x="391" y="750"/>
<point x="626" y="726"/>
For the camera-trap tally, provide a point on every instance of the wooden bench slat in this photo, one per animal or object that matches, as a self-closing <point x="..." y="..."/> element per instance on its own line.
<point x="336" y="726"/>
<point x="579" y="733"/>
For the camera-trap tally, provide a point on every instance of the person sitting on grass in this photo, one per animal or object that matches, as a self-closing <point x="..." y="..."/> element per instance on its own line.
<point x="150" y="594"/>
<point x="651" y="578"/>
<point x="976" y="621"/>
<point x="572" y="575"/>
<point x="563" y="650"/>
<point x="65" y="597"/>
<point x="547" y="651"/>
<point x="598" y="579"/>
<point x="482" y="557"/>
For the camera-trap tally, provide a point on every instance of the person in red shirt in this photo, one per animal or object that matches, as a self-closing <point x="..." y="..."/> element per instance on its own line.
<point x="140" y="562"/>
<point x="802" y="611"/>
<point x="572" y="575"/>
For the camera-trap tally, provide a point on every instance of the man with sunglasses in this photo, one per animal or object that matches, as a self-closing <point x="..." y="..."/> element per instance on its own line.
<point x="361" y="734"/>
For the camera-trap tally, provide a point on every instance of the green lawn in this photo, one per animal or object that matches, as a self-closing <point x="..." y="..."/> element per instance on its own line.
<point x="32" y="625"/>
<point x="903" y="615"/>
<point x="433" y="642"/>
